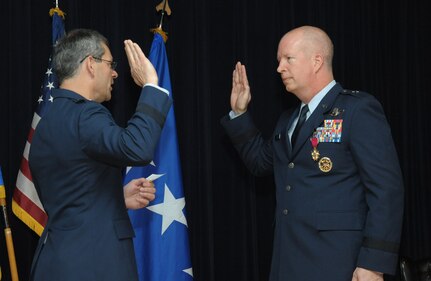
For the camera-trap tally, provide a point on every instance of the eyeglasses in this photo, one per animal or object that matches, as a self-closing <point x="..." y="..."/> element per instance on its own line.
<point x="112" y="64"/>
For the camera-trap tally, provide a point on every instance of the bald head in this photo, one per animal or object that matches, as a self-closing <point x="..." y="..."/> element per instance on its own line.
<point x="305" y="61"/>
<point x="313" y="40"/>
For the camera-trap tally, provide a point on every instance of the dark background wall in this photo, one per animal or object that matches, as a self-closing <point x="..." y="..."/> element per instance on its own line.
<point x="380" y="47"/>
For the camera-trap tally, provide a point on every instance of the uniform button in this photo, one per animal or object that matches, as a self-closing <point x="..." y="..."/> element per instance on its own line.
<point x="288" y="188"/>
<point x="285" y="211"/>
<point x="291" y="165"/>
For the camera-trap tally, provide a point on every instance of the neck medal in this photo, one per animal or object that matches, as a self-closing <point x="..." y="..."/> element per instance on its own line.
<point x="315" y="154"/>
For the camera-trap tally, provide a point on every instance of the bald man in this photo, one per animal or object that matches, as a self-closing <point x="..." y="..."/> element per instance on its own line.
<point x="338" y="182"/>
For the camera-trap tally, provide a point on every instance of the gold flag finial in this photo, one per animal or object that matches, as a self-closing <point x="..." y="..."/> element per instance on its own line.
<point x="160" y="31"/>
<point x="164" y="6"/>
<point x="58" y="11"/>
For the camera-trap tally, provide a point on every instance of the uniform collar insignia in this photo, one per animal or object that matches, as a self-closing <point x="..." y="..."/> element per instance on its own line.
<point x="336" y="111"/>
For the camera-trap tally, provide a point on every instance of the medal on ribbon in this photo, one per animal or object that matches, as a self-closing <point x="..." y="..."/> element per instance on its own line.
<point x="315" y="154"/>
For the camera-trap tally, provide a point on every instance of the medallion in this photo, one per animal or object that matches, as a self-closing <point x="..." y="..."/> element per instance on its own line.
<point x="325" y="164"/>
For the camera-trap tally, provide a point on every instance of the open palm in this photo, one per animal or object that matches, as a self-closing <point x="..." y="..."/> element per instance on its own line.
<point x="240" y="96"/>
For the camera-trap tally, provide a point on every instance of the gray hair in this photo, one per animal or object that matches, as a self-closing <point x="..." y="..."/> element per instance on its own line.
<point x="73" y="48"/>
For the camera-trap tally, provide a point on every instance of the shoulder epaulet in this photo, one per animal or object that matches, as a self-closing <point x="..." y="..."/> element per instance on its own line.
<point x="354" y="93"/>
<point x="349" y="92"/>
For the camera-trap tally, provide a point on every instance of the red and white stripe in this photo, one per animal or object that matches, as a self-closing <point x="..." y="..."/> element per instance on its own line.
<point x="26" y="204"/>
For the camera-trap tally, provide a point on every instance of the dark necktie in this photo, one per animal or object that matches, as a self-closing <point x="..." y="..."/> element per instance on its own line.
<point x="301" y="120"/>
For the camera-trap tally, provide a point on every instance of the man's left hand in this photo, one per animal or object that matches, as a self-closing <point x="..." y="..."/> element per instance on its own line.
<point x="138" y="193"/>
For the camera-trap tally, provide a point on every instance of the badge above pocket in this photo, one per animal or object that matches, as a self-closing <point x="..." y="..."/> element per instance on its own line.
<point x="331" y="131"/>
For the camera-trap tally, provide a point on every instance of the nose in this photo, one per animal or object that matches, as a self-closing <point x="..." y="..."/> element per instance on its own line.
<point x="280" y="67"/>
<point x="114" y="74"/>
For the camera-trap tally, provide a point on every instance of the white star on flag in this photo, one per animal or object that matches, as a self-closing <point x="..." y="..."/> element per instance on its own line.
<point x="48" y="71"/>
<point x="189" y="271"/>
<point x="171" y="209"/>
<point x="50" y="85"/>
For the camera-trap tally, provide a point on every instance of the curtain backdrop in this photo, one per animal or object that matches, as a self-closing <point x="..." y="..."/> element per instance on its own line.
<point x="380" y="47"/>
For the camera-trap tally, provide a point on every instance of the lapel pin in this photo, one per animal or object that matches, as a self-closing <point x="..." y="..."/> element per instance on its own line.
<point x="336" y="111"/>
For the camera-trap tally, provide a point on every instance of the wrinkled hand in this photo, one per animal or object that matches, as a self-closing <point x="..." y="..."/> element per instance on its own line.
<point x="138" y="193"/>
<point x="240" y="95"/>
<point x="362" y="274"/>
<point x="142" y="70"/>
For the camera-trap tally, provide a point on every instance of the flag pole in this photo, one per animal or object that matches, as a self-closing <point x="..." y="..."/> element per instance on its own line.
<point x="8" y="235"/>
<point x="162" y="248"/>
<point x="164" y="7"/>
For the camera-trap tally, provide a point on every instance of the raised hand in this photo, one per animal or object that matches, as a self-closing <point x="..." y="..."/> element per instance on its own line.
<point x="142" y="70"/>
<point x="240" y="96"/>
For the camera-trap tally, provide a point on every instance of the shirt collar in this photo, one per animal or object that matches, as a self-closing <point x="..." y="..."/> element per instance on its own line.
<point x="317" y="98"/>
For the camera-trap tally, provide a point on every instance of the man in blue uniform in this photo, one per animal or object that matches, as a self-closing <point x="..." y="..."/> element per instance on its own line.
<point x="77" y="156"/>
<point x="339" y="186"/>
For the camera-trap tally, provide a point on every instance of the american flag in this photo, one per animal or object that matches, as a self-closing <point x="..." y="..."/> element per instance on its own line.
<point x="26" y="204"/>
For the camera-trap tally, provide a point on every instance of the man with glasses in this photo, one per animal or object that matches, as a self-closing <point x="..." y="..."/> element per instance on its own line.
<point x="76" y="161"/>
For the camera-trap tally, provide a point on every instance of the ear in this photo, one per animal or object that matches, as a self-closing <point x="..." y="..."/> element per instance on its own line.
<point x="318" y="62"/>
<point x="88" y="66"/>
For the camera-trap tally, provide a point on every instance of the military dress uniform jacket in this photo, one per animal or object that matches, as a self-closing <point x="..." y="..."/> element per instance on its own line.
<point x="76" y="161"/>
<point x="340" y="211"/>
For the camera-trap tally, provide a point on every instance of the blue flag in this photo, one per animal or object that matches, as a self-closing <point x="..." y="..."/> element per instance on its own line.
<point x="161" y="242"/>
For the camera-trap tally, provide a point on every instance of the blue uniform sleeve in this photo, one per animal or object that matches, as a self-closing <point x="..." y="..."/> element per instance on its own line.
<point x="256" y="152"/>
<point x="376" y="158"/>
<point x="105" y="141"/>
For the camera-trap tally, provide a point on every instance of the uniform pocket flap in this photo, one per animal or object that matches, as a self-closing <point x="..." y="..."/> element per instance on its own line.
<point x="348" y="220"/>
<point x="124" y="229"/>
